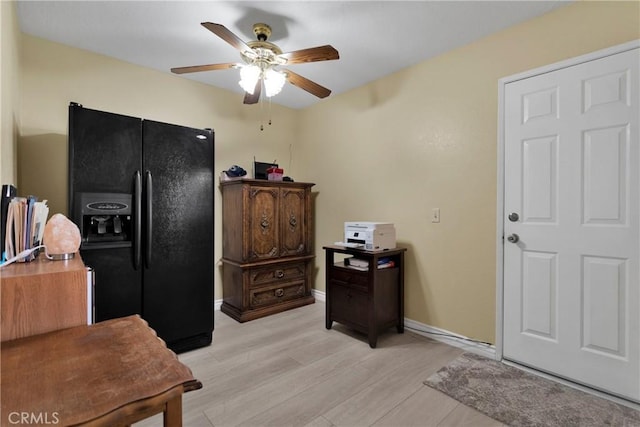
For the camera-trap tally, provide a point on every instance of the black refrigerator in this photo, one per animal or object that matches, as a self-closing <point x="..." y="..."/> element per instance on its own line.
<point x="141" y="193"/>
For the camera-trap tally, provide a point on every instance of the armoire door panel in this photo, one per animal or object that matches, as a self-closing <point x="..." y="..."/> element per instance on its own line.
<point x="293" y="227"/>
<point x="263" y="220"/>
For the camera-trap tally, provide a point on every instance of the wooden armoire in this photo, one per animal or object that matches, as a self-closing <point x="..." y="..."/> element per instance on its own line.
<point x="267" y="247"/>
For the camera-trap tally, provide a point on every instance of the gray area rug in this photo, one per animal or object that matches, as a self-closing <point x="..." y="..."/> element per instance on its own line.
<point x="518" y="398"/>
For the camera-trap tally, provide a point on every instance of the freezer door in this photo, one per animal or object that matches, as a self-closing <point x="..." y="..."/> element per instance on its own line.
<point x="178" y="232"/>
<point x="117" y="285"/>
<point x="105" y="151"/>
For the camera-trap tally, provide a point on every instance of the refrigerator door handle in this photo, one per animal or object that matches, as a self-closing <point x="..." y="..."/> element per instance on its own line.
<point x="137" y="239"/>
<point x="148" y="218"/>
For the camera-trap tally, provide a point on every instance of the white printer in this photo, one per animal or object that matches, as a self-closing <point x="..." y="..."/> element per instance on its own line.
<point x="371" y="236"/>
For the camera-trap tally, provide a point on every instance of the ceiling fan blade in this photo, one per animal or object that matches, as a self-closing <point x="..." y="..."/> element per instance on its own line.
<point x="312" y="54"/>
<point x="253" y="99"/>
<point x="225" y="34"/>
<point x="209" y="67"/>
<point x="306" y="84"/>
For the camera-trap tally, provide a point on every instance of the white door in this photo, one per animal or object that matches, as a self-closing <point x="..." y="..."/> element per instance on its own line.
<point x="571" y="175"/>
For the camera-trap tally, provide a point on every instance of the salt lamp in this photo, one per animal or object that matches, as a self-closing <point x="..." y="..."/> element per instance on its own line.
<point x="61" y="237"/>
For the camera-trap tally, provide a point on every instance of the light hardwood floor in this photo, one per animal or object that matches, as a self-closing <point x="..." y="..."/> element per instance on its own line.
<point x="288" y="370"/>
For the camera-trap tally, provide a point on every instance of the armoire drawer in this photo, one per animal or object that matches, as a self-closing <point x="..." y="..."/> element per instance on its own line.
<point x="276" y="273"/>
<point x="274" y="294"/>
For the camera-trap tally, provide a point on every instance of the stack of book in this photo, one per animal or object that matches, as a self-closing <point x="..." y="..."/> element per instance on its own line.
<point x="25" y="221"/>
<point x="386" y="263"/>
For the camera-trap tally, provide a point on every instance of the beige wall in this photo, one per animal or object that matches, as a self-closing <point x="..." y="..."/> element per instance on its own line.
<point x="392" y="150"/>
<point x="9" y="81"/>
<point x="54" y="75"/>
<point x="426" y="138"/>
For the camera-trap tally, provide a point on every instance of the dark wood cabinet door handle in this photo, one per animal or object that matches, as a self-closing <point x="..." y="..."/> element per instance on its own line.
<point x="279" y="292"/>
<point x="279" y="274"/>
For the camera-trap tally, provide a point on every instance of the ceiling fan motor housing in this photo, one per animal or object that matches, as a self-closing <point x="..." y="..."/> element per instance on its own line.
<point x="265" y="52"/>
<point x="262" y="31"/>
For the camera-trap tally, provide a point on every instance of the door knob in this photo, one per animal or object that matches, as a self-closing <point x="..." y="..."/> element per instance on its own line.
<point x="514" y="238"/>
<point x="513" y="217"/>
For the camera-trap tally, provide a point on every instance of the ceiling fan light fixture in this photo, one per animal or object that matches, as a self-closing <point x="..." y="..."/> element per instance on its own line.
<point x="249" y="76"/>
<point x="262" y="58"/>
<point x="273" y="82"/>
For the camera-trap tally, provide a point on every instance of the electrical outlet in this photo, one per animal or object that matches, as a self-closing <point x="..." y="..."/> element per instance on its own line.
<point x="435" y="215"/>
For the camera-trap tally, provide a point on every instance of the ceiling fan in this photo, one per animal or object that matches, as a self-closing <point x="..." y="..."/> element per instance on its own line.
<point x="261" y="61"/>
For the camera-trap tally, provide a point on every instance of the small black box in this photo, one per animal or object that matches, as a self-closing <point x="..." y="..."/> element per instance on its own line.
<point x="260" y="169"/>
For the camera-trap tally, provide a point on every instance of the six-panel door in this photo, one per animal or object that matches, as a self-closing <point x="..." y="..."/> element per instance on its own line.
<point x="572" y="215"/>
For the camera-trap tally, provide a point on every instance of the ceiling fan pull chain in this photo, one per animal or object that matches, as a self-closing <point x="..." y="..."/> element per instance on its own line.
<point x="262" y="106"/>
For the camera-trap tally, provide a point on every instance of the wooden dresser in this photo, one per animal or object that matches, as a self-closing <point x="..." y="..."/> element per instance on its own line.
<point x="42" y="296"/>
<point x="267" y="247"/>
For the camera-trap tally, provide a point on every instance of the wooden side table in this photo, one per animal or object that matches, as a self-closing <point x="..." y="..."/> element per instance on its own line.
<point x="369" y="301"/>
<point x="112" y="373"/>
<point x="42" y="296"/>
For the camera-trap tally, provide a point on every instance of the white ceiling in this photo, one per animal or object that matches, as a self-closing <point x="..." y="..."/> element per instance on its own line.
<point x="374" y="38"/>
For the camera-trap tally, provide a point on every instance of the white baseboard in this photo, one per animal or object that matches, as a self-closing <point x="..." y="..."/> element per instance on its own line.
<point x="456" y="340"/>
<point x="216" y="304"/>
<point x="319" y="295"/>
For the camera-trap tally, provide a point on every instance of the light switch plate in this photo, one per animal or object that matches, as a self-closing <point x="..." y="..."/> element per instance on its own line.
<point x="435" y="215"/>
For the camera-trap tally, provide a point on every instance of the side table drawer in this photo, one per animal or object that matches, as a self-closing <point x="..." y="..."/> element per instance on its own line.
<point x="350" y="277"/>
<point x="348" y="304"/>
<point x="276" y="273"/>
<point x="273" y="294"/>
